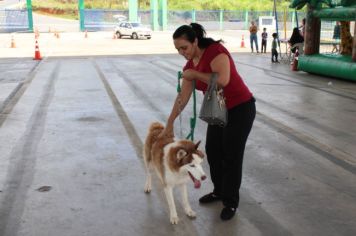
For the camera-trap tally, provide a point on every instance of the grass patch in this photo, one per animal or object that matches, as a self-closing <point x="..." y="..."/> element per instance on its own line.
<point x="68" y="9"/>
<point x="63" y="9"/>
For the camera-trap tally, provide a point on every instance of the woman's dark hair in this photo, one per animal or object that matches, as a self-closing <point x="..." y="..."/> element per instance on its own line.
<point x="193" y="31"/>
<point x="296" y="37"/>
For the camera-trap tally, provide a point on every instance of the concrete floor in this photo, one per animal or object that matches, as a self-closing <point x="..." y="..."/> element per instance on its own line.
<point x="77" y="124"/>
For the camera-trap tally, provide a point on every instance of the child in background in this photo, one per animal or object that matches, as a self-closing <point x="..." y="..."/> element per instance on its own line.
<point x="274" y="48"/>
<point x="264" y="40"/>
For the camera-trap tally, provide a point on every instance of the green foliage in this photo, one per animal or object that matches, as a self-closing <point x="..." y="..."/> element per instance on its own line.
<point x="54" y="4"/>
<point x="256" y="5"/>
<point x="73" y="4"/>
<point x="69" y="8"/>
<point x="106" y="4"/>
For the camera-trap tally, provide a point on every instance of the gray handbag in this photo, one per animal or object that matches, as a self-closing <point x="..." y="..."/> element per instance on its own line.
<point x="213" y="109"/>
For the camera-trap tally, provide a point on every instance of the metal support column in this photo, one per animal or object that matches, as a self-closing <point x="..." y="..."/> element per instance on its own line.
<point x="154" y="14"/>
<point x="29" y="15"/>
<point x="246" y="19"/>
<point x="354" y="46"/>
<point x="81" y="14"/>
<point x="193" y="16"/>
<point x="163" y="14"/>
<point x="133" y="8"/>
<point x="221" y="18"/>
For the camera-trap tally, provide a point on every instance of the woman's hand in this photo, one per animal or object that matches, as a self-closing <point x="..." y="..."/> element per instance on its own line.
<point x="189" y="74"/>
<point x="167" y="132"/>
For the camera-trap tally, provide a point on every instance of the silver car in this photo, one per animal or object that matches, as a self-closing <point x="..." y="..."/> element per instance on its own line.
<point x="133" y="30"/>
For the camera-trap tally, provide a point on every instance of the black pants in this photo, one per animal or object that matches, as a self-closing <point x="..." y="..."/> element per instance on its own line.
<point x="225" y="148"/>
<point x="274" y="55"/>
<point x="263" y="46"/>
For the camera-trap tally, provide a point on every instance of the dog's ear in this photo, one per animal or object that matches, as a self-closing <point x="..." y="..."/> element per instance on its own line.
<point x="197" y="144"/>
<point x="180" y="154"/>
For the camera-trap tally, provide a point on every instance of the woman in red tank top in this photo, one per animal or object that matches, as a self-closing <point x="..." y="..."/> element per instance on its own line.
<point x="224" y="145"/>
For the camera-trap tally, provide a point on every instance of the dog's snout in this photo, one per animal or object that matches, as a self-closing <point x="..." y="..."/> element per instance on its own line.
<point x="203" y="177"/>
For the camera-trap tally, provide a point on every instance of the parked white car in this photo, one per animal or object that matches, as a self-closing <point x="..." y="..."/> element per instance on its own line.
<point x="133" y="30"/>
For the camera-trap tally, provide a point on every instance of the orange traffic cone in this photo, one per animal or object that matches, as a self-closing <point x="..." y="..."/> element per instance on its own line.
<point x="56" y="34"/>
<point x="242" y="42"/>
<point x="37" y="52"/>
<point x="13" y="44"/>
<point x="37" y="34"/>
<point x="295" y="61"/>
<point x="86" y="34"/>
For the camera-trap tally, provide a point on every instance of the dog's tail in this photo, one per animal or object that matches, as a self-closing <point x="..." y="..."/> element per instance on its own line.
<point x="153" y="132"/>
<point x="156" y="128"/>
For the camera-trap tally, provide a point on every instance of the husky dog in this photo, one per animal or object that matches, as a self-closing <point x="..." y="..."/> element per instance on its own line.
<point x="175" y="163"/>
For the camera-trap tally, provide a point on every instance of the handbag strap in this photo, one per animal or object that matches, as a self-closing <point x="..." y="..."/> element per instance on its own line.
<point x="213" y="78"/>
<point x="212" y="83"/>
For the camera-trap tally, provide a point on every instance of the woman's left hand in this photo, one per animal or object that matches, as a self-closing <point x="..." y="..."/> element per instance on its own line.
<point x="189" y="74"/>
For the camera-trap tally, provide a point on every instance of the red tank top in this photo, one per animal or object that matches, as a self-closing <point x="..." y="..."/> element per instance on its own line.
<point x="235" y="92"/>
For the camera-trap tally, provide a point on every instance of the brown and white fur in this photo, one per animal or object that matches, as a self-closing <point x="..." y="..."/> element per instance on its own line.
<point x="175" y="163"/>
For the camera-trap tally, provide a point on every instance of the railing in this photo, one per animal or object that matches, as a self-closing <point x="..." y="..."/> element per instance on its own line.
<point x="103" y="19"/>
<point x="212" y="20"/>
<point x="12" y="20"/>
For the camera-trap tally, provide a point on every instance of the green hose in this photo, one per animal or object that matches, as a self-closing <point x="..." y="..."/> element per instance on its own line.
<point x="193" y="120"/>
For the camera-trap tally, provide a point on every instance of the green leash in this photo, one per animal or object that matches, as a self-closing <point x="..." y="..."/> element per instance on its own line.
<point x="193" y="120"/>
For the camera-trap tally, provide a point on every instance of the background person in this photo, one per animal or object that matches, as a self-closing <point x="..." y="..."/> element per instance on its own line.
<point x="264" y="36"/>
<point x="302" y="28"/>
<point x="274" y="48"/>
<point x="336" y="37"/>
<point x="224" y="145"/>
<point x="295" y="38"/>
<point x="253" y="36"/>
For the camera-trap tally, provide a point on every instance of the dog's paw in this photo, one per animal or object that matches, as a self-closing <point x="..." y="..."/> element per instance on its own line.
<point x="190" y="213"/>
<point x="147" y="188"/>
<point x="174" y="220"/>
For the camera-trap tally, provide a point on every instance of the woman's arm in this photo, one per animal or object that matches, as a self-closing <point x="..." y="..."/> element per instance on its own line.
<point x="220" y="64"/>
<point x="179" y="105"/>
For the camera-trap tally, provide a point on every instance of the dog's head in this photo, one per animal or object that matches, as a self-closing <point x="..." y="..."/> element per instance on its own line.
<point x="188" y="159"/>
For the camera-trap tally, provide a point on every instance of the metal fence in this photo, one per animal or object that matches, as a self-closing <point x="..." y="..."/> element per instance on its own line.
<point x="98" y="19"/>
<point x="12" y="20"/>
<point x="102" y="19"/>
